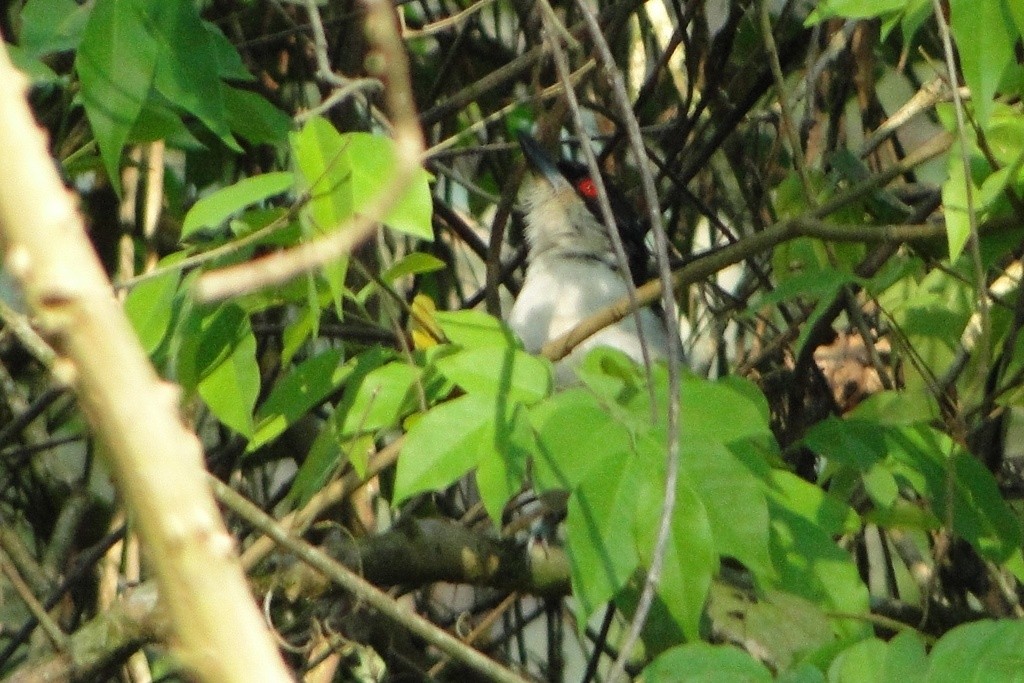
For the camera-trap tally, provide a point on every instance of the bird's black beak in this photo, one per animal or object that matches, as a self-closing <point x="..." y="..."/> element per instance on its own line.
<point x="538" y="159"/>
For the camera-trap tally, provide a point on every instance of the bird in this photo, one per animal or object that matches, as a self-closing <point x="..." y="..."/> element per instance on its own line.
<point x="572" y="270"/>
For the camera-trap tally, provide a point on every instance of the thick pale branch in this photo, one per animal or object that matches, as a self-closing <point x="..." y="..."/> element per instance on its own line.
<point x="156" y="462"/>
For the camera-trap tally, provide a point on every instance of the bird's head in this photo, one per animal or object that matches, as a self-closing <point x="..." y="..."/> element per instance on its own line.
<point x="563" y="219"/>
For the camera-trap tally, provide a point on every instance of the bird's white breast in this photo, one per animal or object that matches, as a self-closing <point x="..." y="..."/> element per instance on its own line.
<point x="560" y="292"/>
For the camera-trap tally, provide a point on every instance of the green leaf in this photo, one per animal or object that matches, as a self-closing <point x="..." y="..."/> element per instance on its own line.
<point x="286" y="234"/>
<point x="980" y="514"/>
<point x="306" y="386"/>
<point x="378" y="398"/>
<point x="150" y="306"/>
<point x="855" y="443"/>
<point x="230" y="388"/>
<point x="323" y="172"/>
<point x="443" y="445"/>
<point x="954" y="201"/>
<point x="501" y="471"/>
<point x="804" y="520"/>
<point x="320" y="463"/>
<point x="1016" y="9"/>
<point x="187" y="66"/>
<point x="784" y="626"/>
<point x="724" y="485"/>
<point x="897" y="408"/>
<point x="931" y="313"/>
<point x="49" y="26"/>
<point x="905" y="660"/>
<point x="811" y="565"/>
<point x="318" y="150"/>
<point x="345" y="173"/>
<point x="229" y="62"/>
<point x="917" y="12"/>
<point x="600" y="538"/>
<point x="413" y="264"/>
<point x="881" y="485"/>
<point x="35" y="69"/>
<point x="611" y="373"/>
<point x="814" y="285"/>
<point x="804" y="672"/>
<point x="901" y="660"/>
<point x="704" y="663"/>
<point x="507" y="373"/>
<point x="472" y="329"/>
<point x="984" y="37"/>
<point x="574" y="437"/>
<point x="724" y="411"/>
<point x="254" y="118"/>
<point x="859" y="663"/>
<point x="690" y="560"/>
<point x="116" y="63"/>
<point x="373" y="159"/>
<point x="359" y="451"/>
<point x="158" y="122"/>
<point x="820" y="286"/>
<point x="214" y="209"/>
<point x="852" y="9"/>
<point x="798" y="257"/>
<point x="980" y="651"/>
<point x="815" y="505"/>
<point x="217" y="358"/>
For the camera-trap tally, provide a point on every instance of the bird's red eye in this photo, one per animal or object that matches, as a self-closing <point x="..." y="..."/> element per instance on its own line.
<point x="587" y="188"/>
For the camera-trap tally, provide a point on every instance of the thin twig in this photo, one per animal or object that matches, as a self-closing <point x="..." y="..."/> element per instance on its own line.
<point x="298" y="521"/>
<point x="364" y="590"/>
<point x="446" y="23"/>
<point x="391" y="65"/>
<point x="232" y="247"/>
<point x="788" y="125"/>
<point x="57" y="637"/>
<point x="607" y="215"/>
<point x="671" y="314"/>
<point x="974" y="241"/>
<point x="721" y="257"/>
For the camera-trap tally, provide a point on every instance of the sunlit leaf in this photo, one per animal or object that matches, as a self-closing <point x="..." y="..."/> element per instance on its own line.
<point x="116" y="63"/>
<point x="984" y="35"/>
<point x="704" y="663"/>
<point x="149" y="306"/>
<point x="212" y="210"/>
<point x="307" y="385"/>
<point x="983" y="650"/>
<point x="507" y="373"/>
<point x="957" y="211"/>
<point x="217" y="358"/>
<point x="187" y="63"/>
<point x="443" y="445"/>
<point x="345" y="173"/>
<point x="852" y="9"/>
<point x="49" y="26"/>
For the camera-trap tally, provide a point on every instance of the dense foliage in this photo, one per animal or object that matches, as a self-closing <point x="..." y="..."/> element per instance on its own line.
<point x="846" y="239"/>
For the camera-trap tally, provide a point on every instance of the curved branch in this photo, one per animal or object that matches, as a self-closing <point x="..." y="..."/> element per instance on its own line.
<point x="373" y="596"/>
<point x="155" y="460"/>
<point x="718" y="259"/>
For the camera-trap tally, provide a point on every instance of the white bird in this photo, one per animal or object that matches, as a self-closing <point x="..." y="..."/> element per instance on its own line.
<point x="572" y="271"/>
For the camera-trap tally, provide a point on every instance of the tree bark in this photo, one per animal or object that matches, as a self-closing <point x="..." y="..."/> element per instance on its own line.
<point x="155" y="460"/>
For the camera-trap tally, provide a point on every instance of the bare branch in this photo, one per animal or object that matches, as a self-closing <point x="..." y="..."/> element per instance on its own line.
<point x="156" y="462"/>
